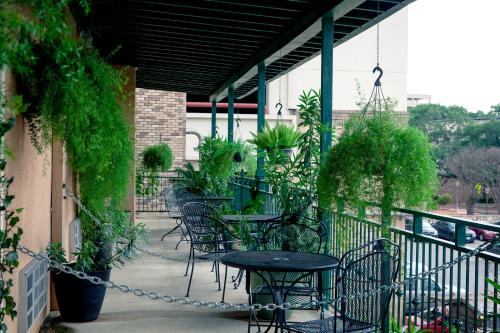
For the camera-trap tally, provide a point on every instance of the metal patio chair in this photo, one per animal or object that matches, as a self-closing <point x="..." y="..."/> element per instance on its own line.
<point x="360" y="271"/>
<point x="173" y="212"/>
<point x="297" y="234"/>
<point x="208" y="235"/>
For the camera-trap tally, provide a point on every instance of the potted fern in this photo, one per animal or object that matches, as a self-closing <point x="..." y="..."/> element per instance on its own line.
<point x="281" y="137"/>
<point x="113" y="242"/>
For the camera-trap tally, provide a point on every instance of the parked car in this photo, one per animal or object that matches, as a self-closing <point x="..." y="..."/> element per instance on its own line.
<point x="427" y="228"/>
<point x="446" y="230"/>
<point x="484" y="235"/>
<point x="418" y="300"/>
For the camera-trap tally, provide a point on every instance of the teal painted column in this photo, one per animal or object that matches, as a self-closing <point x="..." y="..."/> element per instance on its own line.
<point x="230" y="113"/>
<point x="326" y="119"/>
<point x="261" y="108"/>
<point x="214" y="118"/>
<point x="326" y="82"/>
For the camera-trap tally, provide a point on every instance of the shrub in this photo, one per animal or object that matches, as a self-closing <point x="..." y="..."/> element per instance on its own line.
<point x="444" y="199"/>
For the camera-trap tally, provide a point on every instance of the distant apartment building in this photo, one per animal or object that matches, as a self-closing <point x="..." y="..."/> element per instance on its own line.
<point x="417" y="99"/>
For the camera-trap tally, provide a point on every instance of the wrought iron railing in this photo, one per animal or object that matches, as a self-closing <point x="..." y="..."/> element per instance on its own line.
<point x="149" y="191"/>
<point x="452" y="300"/>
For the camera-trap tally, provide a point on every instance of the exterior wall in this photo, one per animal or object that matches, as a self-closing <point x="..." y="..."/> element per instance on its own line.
<point x="161" y="117"/>
<point x="32" y="190"/>
<point x="201" y="123"/>
<point x="129" y="105"/>
<point x="353" y="62"/>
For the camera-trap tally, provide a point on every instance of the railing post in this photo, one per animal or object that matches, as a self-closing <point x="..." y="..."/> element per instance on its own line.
<point x="230" y="113"/>
<point x="460" y="234"/>
<point x="362" y="211"/>
<point x="417" y="224"/>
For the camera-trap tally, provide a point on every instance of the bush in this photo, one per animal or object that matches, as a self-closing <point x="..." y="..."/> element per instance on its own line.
<point x="444" y="199"/>
<point x="157" y="158"/>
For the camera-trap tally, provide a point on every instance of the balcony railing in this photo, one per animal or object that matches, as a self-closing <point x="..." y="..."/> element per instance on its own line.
<point x="452" y="300"/>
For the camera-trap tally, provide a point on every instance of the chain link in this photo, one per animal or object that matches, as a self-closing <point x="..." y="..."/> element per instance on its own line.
<point x="240" y="306"/>
<point x="161" y="256"/>
<point x="80" y="205"/>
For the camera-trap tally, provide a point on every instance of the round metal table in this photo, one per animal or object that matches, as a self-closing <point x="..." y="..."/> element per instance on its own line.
<point x="263" y="263"/>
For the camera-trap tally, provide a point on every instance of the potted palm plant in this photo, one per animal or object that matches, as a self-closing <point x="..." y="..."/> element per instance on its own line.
<point x="110" y="243"/>
<point x="281" y="137"/>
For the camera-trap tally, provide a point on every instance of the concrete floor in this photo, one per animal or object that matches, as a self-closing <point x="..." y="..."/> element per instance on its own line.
<point x="128" y="313"/>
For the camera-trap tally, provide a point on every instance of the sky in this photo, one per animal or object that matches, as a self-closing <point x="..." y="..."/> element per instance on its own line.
<point x="454" y="52"/>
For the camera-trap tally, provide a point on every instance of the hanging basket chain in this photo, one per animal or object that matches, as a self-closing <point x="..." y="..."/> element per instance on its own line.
<point x="153" y="295"/>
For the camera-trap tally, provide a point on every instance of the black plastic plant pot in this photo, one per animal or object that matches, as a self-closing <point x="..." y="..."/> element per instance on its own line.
<point x="79" y="300"/>
<point x="237" y="157"/>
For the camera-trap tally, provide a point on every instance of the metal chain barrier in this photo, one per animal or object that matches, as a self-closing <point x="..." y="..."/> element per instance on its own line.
<point x="161" y="256"/>
<point x="240" y="306"/>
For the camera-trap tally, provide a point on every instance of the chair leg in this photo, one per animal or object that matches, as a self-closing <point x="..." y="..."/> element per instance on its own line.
<point x="183" y="238"/>
<point x="168" y="233"/>
<point x="190" y="278"/>
<point x="218" y="275"/>
<point x="191" y="254"/>
<point x="224" y="286"/>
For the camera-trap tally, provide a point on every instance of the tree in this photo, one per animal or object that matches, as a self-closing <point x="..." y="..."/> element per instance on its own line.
<point x="439" y="123"/>
<point x="476" y="168"/>
<point x="485" y="135"/>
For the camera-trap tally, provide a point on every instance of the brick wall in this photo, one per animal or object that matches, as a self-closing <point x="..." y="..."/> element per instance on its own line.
<point x="161" y="115"/>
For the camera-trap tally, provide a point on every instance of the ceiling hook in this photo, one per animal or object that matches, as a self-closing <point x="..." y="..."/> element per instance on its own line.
<point x="381" y="73"/>
<point x="279" y="106"/>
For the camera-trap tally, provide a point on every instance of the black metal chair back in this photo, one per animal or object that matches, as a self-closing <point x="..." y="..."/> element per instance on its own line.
<point x="185" y="195"/>
<point x="363" y="270"/>
<point x="293" y="237"/>
<point x="205" y="227"/>
<point x="170" y="200"/>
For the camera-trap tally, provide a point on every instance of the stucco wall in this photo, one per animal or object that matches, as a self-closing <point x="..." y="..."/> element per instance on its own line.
<point x="32" y="188"/>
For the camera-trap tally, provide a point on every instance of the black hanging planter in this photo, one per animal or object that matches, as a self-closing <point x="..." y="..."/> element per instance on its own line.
<point x="238" y="157"/>
<point x="79" y="300"/>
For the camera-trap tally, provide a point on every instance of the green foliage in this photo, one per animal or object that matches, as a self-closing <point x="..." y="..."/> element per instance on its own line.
<point x="444" y="199"/>
<point x="486" y="134"/>
<point x="114" y="243"/>
<point x="280" y="136"/>
<point x="217" y="165"/>
<point x="10" y="233"/>
<point x="293" y="178"/>
<point x="496" y="287"/>
<point x="157" y="158"/>
<point x="191" y="178"/>
<point x="377" y="160"/>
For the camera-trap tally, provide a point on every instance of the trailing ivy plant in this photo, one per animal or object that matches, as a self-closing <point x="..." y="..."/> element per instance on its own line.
<point x="378" y="160"/>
